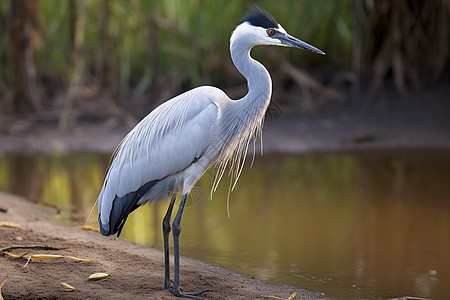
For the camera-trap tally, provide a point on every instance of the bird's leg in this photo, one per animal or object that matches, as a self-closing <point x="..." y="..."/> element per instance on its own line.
<point x="176" y="226"/>
<point x="166" y="230"/>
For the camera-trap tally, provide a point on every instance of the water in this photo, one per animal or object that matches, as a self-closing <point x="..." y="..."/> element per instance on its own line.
<point x="351" y="226"/>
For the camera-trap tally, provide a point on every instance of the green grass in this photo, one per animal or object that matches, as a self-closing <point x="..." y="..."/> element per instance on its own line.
<point x="190" y="29"/>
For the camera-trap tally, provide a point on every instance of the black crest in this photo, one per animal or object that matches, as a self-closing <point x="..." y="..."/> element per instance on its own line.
<point x="257" y="16"/>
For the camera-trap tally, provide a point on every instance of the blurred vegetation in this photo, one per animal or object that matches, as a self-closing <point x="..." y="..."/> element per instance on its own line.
<point x="142" y="52"/>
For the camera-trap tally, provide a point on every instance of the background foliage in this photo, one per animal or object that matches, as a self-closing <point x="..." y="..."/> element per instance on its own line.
<point x="131" y="53"/>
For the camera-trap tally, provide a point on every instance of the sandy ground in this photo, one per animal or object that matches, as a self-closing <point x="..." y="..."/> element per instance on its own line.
<point x="135" y="272"/>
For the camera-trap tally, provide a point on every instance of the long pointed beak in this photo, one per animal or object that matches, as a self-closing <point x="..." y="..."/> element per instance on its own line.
<point x="290" y="41"/>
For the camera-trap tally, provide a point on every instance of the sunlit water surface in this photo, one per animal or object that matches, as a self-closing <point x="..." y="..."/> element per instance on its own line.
<point x="351" y="226"/>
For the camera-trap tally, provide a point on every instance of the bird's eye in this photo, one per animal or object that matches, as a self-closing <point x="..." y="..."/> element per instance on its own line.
<point x="270" y="32"/>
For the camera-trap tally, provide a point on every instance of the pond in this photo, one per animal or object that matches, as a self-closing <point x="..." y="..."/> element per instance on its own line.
<point x="371" y="225"/>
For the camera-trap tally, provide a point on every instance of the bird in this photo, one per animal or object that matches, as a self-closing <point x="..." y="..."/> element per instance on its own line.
<point x="168" y="151"/>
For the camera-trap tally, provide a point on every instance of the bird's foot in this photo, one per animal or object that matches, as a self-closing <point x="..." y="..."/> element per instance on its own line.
<point x="192" y="295"/>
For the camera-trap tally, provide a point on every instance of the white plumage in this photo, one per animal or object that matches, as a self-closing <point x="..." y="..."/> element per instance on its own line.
<point x="172" y="147"/>
<point x="162" y="145"/>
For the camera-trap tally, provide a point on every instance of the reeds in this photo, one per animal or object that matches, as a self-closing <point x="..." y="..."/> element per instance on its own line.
<point x="407" y="41"/>
<point x="142" y="51"/>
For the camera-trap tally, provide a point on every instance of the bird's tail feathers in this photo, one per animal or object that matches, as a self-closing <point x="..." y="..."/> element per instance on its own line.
<point x="121" y="208"/>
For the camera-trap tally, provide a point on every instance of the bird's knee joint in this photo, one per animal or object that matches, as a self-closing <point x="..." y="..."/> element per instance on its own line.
<point x="166" y="226"/>
<point x="176" y="229"/>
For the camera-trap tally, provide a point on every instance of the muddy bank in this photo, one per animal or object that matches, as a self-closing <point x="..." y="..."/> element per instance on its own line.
<point x="385" y="120"/>
<point x="136" y="272"/>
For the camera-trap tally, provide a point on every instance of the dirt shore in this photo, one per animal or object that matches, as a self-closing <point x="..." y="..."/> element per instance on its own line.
<point x="135" y="272"/>
<point x="386" y="120"/>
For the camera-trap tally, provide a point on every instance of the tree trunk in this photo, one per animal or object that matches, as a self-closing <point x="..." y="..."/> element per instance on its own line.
<point x="155" y="87"/>
<point x="105" y="50"/>
<point x="23" y="36"/>
<point x="405" y="40"/>
<point x="77" y="63"/>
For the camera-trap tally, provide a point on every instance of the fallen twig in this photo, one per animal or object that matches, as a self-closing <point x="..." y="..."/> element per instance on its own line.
<point x="39" y="247"/>
<point x="41" y="202"/>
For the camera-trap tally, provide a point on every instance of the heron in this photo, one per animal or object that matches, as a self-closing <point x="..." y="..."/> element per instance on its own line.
<point x="168" y="151"/>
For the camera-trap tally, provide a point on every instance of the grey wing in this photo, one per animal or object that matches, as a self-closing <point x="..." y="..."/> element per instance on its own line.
<point x="164" y="143"/>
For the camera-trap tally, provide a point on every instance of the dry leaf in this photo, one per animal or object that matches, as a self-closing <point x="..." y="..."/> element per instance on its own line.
<point x="43" y="256"/>
<point x="16" y="255"/>
<point x="78" y="259"/>
<point x="9" y="224"/>
<point x="1" y="285"/>
<point x="87" y="227"/>
<point x="290" y="297"/>
<point x="26" y="264"/>
<point x="46" y="256"/>
<point x="67" y="287"/>
<point x="98" y="276"/>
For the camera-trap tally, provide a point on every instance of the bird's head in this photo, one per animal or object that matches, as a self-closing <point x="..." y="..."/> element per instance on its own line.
<point x="258" y="27"/>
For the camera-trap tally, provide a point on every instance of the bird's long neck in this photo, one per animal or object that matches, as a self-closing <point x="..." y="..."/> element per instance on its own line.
<point x="258" y="79"/>
<point x="244" y="117"/>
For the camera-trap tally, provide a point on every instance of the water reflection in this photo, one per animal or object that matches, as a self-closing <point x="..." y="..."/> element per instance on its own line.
<point x="347" y="225"/>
